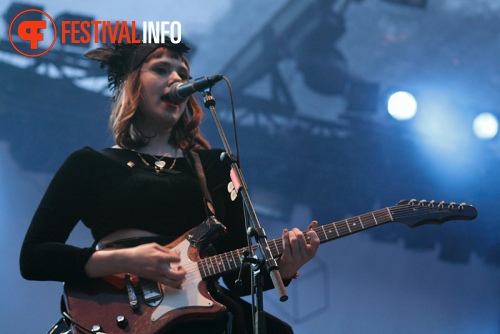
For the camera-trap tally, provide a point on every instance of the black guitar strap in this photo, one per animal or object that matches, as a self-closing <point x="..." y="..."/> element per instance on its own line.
<point x="194" y="161"/>
<point x="211" y="228"/>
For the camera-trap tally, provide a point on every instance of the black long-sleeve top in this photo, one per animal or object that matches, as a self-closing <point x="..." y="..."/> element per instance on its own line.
<point x="114" y="189"/>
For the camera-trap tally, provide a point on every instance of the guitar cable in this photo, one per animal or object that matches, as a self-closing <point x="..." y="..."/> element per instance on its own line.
<point x="73" y="321"/>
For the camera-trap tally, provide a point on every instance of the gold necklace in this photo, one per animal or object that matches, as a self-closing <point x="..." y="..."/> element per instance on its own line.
<point x="159" y="163"/>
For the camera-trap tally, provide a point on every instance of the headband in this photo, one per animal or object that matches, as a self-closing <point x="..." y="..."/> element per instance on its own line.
<point x="121" y="59"/>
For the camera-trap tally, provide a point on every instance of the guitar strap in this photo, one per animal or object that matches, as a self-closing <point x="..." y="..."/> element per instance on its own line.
<point x="194" y="161"/>
<point x="211" y="228"/>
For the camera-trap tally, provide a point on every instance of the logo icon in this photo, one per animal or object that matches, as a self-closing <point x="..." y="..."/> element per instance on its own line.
<point x="30" y="32"/>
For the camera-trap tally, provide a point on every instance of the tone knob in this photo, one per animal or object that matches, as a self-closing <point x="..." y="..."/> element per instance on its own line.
<point x="121" y="321"/>
<point x="96" y="328"/>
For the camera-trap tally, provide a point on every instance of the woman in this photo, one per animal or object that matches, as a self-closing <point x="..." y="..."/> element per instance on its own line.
<point x="144" y="192"/>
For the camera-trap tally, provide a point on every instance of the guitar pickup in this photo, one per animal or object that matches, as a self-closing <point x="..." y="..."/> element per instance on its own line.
<point x="152" y="292"/>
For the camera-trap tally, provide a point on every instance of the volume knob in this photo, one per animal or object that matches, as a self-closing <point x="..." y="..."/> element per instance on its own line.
<point x="121" y="321"/>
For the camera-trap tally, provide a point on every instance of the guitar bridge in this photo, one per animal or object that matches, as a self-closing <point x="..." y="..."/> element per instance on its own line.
<point x="152" y="292"/>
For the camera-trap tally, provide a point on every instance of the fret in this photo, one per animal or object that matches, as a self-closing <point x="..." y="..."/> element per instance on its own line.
<point x="234" y="263"/>
<point x="201" y="264"/>
<point x="340" y="228"/>
<point x="376" y="222"/>
<point x="211" y="268"/>
<point x="347" y="223"/>
<point x="361" y="222"/>
<point x="222" y="258"/>
<point x="205" y="267"/>
<point x="225" y="262"/>
<point x="358" y="226"/>
<point x="213" y="262"/>
<point x="329" y="232"/>
<point x="218" y="263"/>
<point x="277" y="251"/>
<point x="354" y="226"/>
<point x="239" y="252"/>
<point x="324" y="232"/>
<point x="390" y="214"/>
<point x="335" y="225"/>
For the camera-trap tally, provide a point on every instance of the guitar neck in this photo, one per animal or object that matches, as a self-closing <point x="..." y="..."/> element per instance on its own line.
<point x="230" y="261"/>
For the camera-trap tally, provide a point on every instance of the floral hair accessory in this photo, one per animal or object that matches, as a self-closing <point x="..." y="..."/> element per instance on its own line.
<point x="121" y="59"/>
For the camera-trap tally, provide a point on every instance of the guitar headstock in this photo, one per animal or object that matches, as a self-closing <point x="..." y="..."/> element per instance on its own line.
<point x="415" y="213"/>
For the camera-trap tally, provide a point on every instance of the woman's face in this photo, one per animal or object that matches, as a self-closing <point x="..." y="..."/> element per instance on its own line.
<point x="156" y="111"/>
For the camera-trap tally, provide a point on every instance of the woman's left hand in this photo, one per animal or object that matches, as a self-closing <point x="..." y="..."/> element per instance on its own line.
<point x="297" y="251"/>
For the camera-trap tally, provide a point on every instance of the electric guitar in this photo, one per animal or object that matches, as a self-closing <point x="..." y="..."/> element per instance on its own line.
<point x="127" y="304"/>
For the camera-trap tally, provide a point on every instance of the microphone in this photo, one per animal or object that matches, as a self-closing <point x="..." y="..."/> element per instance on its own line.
<point x="180" y="92"/>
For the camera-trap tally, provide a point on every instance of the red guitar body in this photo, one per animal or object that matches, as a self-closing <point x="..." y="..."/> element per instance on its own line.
<point x="105" y="302"/>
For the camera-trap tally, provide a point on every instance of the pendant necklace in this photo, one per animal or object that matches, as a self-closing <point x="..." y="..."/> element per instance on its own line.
<point x="159" y="163"/>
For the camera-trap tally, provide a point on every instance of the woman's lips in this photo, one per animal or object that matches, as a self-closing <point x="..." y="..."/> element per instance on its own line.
<point x="166" y="101"/>
<point x="170" y="104"/>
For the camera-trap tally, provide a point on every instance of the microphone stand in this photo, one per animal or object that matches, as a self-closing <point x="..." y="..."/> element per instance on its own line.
<point x="264" y="253"/>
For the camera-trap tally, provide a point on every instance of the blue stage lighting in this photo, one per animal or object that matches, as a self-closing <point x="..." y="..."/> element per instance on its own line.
<point x="402" y="106"/>
<point x="485" y="126"/>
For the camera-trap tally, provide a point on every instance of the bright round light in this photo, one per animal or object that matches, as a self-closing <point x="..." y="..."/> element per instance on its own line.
<point x="485" y="126"/>
<point x="402" y="106"/>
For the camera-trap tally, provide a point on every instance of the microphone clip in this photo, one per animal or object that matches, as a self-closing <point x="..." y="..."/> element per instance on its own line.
<point x="245" y="258"/>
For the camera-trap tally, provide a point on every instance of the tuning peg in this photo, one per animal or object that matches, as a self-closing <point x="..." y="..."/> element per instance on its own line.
<point x="422" y="202"/>
<point x="441" y="205"/>
<point x="431" y="203"/>
<point x="412" y="201"/>
<point x="451" y="205"/>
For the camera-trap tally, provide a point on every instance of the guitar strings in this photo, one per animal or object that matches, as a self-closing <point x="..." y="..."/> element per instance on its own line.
<point x="229" y="261"/>
<point x="217" y="264"/>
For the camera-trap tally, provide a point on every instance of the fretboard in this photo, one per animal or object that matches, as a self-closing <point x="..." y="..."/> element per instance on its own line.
<point x="230" y="261"/>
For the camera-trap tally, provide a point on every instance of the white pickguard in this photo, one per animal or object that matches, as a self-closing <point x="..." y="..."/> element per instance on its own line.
<point x="188" y="295"/>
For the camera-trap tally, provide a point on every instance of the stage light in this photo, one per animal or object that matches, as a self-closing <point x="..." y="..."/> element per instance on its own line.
<point x="485" y="126"/>
<point x="402" y="106"/>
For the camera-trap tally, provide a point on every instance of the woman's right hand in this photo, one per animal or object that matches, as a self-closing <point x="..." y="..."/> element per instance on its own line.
<point x="151" y="261"/>
<point x="157" y="263"/>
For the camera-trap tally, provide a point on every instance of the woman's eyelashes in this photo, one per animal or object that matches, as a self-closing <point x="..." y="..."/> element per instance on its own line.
<point x="166" y="71"/>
